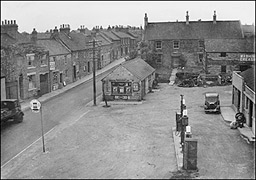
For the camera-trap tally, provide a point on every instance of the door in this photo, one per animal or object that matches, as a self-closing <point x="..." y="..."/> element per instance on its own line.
<point x="21" y="86"/>
<point x="43" y="84"/>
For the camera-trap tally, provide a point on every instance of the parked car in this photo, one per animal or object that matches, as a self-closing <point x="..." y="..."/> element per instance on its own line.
<point x="11" y="109"/>
<point x="212" y="102"/>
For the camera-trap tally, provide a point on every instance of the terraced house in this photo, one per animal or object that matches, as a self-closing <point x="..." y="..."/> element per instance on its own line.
<point x="196" y="45"/>
<point x="22" y="63"/>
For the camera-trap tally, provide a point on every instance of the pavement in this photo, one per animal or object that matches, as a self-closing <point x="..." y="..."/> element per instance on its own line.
<point x="156" y="109"/>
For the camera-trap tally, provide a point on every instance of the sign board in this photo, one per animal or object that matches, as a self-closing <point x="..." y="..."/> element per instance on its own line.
<point x="35" y="105"/>
<point x="247" y="57"/>
<point x="52" y="65"/>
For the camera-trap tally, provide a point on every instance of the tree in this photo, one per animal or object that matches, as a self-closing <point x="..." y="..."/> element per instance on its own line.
<point x="148" y="54"/>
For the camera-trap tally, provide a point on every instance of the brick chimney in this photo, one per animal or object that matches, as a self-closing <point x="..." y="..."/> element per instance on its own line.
<point x="93" y="33"/>
<point x="82" y="29"/>
<point x="145" y="21"/>
<point x="34" y="36"/>
<point x="187" y="18"/>
<point x="97" y="29"/>
<point x="10" y="27"/>
<point x="55" y="32"/>
<point x="214" y="17"/>
<point x="65" y="28"/>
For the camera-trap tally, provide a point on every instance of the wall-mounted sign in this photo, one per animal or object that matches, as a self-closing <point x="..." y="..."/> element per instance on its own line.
<point x="52" y="65"/>
<point x="247" y="57"/>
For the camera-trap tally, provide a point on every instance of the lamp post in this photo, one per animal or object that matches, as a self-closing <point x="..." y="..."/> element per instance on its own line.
<point x="184" y="121"/>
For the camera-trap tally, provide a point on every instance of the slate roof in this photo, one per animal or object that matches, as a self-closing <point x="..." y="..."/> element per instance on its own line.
<point x="249" y="77"/>
<point x="74" y="41"/>
<point x="110" y="35"/>
<point x="54" y="47"/>
<point x="229" y="45"/>
<point x="43" y="35"/>
<point x="122" y="34"/>
<point x="138" y="67"/>
<point x="7" y="40"/>
<point x="194" y="30"/>
<point x="103" y="40"/>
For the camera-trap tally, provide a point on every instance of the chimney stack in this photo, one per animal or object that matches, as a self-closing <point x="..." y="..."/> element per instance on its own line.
<point x="34" y="36"/>
<point x="145" y="21"/>
<point x="10" y="27"/>
<point x="82" y="29"/>
<point x="65" y="28"/>
<point x="187" y="18"/>
<point x="214" y="18"/>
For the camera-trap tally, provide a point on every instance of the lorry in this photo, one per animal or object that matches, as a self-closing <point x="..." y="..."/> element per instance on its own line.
<point x="11" y="109"/>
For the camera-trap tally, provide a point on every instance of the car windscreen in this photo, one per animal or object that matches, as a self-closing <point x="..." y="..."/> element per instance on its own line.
<point x="211" y="99"/>
<point x="7" y="104"/>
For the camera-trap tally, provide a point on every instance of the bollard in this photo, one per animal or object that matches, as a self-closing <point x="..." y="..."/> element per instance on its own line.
<point x="190" y="154"/>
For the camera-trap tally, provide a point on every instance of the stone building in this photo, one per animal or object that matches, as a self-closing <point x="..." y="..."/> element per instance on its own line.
<point x="22" y="62"/>
<point x="183" y="43"/>
<point x="243" y="95"/>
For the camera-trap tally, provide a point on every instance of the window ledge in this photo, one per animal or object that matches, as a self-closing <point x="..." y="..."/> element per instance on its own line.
<point x="31" y="67"/>
<point x="31" y="89"/>
<point x="45" y="65"/>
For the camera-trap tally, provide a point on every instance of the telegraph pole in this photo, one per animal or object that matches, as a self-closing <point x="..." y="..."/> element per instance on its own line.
<point x="94" y="65"/>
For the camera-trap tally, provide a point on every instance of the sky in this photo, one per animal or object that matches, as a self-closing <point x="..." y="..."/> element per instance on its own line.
<point x="45" y="15"/>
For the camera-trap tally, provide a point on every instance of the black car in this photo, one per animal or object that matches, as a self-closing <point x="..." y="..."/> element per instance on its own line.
<point x="11" y="109"/>
<point x="212" y="102"/>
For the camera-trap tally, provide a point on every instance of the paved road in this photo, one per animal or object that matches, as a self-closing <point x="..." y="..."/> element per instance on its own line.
<point x="16" y="137"/>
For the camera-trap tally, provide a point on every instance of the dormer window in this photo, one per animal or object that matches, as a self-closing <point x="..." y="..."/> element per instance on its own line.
<point x="158" y="45"/>
<point x="176" y="44"/>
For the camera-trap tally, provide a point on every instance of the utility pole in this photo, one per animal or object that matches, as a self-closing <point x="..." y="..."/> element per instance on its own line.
<point x="93" y="42"/>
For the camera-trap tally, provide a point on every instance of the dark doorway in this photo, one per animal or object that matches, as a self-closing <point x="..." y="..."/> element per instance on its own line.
<point x="43" y="84"/>
<point x="21" y="86"/>
<point x="74" y="73"/>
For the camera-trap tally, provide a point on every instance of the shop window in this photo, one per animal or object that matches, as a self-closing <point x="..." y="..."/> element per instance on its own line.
<point x="31" y="82"/>
<point x="55" y="77"/>
<point x="121" y="88"/>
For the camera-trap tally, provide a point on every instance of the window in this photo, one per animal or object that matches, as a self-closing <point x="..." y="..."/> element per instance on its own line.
<point x="61" y="78"/>
<point x="136" y="87"/>
<point x="158" y="45"/>
<point x="176" y="44"/>
<point x="201" y="43"/>
<point x="223" y="54"/>
<point x="200" y="57"/>
<point x="31" y="82"/>
<point x="223" y="69"/>
<point x="159" y="59"/>
<point x="43" y="60"/>
<point x="121" y="88"/>
<point x="65" y="59"/>
<point x="30" y="58"/>
<point x="66" y="72"/>
<point x="84" y="68"/>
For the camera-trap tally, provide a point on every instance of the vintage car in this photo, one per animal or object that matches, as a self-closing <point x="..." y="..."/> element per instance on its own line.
<point x="11" y="109"/>
<point x="212" y="102"/>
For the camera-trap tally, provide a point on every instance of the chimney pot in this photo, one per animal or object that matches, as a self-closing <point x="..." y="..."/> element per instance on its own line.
<point x="8" y="21"/>
<point x="187" y="18"/>
<point x="14" y="22"/>
<point x="5" y="22"/>
<point x="214" y="17"/>
<point x="11" y="21"/>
